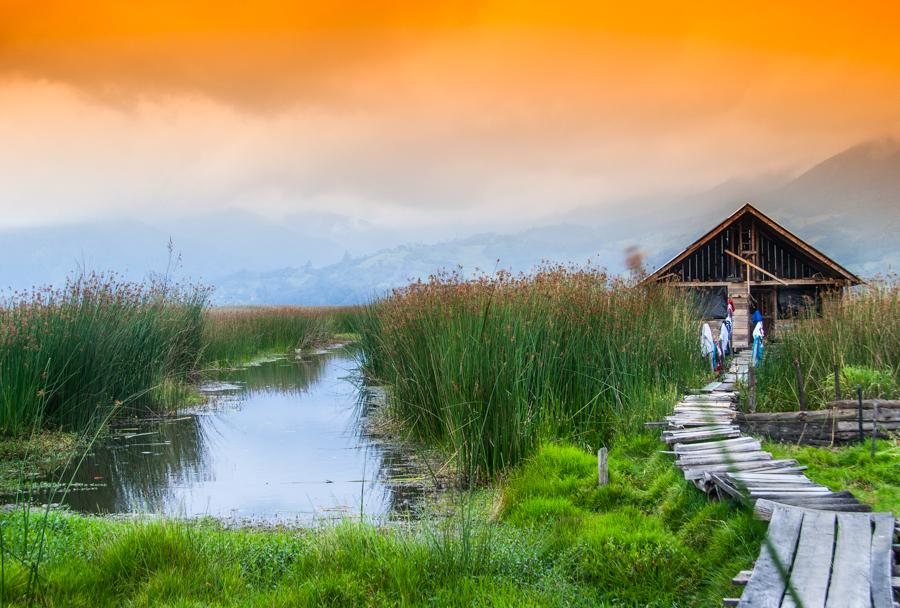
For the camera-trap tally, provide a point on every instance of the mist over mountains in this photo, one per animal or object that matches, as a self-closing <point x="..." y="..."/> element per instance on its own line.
<point x="848" y="206"/>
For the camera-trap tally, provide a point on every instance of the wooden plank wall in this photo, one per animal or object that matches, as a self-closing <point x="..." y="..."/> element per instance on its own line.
<point x="710" y="263"/>
<point x="838" y="423"/>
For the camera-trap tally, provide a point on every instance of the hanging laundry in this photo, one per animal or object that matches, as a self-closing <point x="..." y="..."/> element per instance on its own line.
<point x="758" y="335"/>
<point x="707" y="345"/>
<point x="725" y="336"/>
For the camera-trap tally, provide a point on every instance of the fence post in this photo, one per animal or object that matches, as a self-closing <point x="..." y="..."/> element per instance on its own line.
<point x="602" y="467"/>
<point x="874" y="426"/>
<point x="859" y="410"/>
<point x="801" y="390"/>
<point x="837" y="383"/>
<point x="751" y="389"/>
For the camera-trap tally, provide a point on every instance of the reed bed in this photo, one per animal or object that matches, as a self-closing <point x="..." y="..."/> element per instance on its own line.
<point x="490" y="367"/>
<point x="236" y="334"/>
<point x="69" y="356"/>
<point x="860" y="334"/>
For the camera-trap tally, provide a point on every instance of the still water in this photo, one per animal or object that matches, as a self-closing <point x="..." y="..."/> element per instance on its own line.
<point x="278" y="442"/>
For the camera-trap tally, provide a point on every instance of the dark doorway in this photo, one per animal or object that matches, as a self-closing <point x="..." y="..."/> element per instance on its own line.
<point x="764" y="298"/>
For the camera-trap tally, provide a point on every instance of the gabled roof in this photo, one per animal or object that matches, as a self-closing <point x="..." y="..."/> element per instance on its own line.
<point x="790" y="237"/>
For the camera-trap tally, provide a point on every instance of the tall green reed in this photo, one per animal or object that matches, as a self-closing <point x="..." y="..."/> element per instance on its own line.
<point x="857" y="332"/>
<point x="68" y="355"/>
<point x="236" y="334"/>
<point x="492" y="366"/>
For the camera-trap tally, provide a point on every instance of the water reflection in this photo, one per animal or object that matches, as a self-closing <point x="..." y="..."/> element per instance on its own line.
<point x="279" y="441"/>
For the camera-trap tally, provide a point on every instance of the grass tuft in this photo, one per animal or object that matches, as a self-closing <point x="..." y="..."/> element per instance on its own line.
<point x="491" y="367"/>
<point x="860" y="334"/>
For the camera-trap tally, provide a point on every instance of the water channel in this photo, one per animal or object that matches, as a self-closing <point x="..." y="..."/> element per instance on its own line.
<point x="283" y="441"/>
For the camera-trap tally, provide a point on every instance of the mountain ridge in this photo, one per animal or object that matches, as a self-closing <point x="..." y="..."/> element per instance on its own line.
<point x="847" y="205"/>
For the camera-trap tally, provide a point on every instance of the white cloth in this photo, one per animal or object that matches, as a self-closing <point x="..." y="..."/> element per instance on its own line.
<point x="707" y="346"/>
<point x="758" y="335"/>
<point x="758" y="331"/>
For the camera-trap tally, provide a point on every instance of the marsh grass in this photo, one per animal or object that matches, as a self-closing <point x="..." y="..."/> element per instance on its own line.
<point x="68" y="356"/>
<point x="489" y="367"/>
<point x="859" y="333"/>
<point x="235" y="335"/>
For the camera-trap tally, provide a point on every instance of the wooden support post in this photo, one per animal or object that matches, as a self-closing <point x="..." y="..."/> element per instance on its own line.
<point x="837" y="383"/>
<point x="751" y="384"/>
<point x="874" y="427"/>
<point x="859" y="410"/>
<point x="602" y="467"/>
<point x="801" y="390"/>
<point x="748" y="291"/>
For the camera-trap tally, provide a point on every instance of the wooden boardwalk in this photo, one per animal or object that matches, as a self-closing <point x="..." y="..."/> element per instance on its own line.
<point x="823" y="548"/>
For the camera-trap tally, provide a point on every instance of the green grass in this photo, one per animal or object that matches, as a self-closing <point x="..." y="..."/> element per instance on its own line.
<point x="648" y="539"/>
<point x="234" y="336"/>
<point x="859" y="334"/>
<point x="489" y="368"/>
<point x="70" y="356"/>
<point x="873" y="480"/>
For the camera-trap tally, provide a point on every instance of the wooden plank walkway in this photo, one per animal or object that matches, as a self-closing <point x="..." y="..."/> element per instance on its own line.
<point x="823" y="548"/>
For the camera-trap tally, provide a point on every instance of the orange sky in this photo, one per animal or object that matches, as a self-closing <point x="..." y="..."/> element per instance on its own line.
<point x="423" y="112"/>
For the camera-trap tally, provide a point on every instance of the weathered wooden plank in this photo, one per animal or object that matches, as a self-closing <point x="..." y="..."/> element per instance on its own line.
<point x="724" y="417"/>
<point x="774" y="476"/>
<point x="766" y="486"/>
<point x="701" y="413"/>
<point x="710" y="397"/>
<point x="697" y="473"/>
<point x="705" y="410"/>
<point x="742" y="578"/>
<point x="882" y="537"/>
<point x="788" y="481"/>
<point x="722" y="457"/>
<point x="688" y="425"/>
<point x="785" y="494"/>
<point x="770" y="575"/>
<point x="849" y="586"/>
<point x="764" y="507"/>
<point x="724" y="434"/>
<point x="827" y="504"/>
<point x="808" y="585"/>
<point x="715" y="444"/>
<point x="750" y="446"/>
<point x="820" y="415"/>
<point x="712" y="428"/>
<point x="708" y="428"/>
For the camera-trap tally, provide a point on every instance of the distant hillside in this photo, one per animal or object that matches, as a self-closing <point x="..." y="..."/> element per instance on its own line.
<point x="358" y="279"/>
<point x="848" y="206"/>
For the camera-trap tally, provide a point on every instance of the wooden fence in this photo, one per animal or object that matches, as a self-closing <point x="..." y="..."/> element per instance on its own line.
<point x="839" y="422"/>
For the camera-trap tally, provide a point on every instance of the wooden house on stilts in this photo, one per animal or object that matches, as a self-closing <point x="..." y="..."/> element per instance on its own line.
<point x="757" y="263"/>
